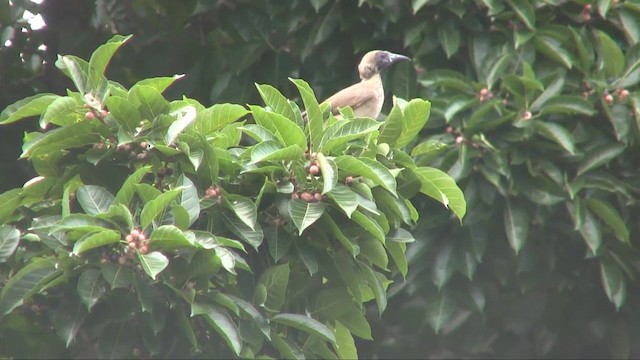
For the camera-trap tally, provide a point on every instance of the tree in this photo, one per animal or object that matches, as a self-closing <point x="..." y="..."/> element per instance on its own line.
<point x="534" y="113"/>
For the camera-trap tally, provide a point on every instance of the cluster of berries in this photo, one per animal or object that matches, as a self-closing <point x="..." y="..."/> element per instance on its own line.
<point x="136" y="239"/>
<point x="310" y="197"/>
<point x="94" y="108"/>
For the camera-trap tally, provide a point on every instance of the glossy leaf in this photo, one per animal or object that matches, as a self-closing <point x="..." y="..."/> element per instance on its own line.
<point x="27" y="107"/>
<point x="153" y="263"/>
<point x="516" y="223"/>
<point x="9" y="240"/>
<point x="274" y="282"/>
<point x="26" y="282"/>
<point x="306" y="324"/>
<point x="91" y="287"/>
<point x="369" y="169"/>
<point x="94" y="240"/>
<point x="610" y="216"/>
<point x="304" y="214"/>
<point x="155" y="207"/>
<point x="441" y="187"/>
<point x="314" y="115"/>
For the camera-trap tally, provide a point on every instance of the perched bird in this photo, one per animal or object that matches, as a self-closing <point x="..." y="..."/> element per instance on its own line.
<point x="366" y="97"/>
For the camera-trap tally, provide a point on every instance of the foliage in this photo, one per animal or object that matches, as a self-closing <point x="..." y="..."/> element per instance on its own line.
<point x="150" y="215"/>
<point x="545" y="264"/>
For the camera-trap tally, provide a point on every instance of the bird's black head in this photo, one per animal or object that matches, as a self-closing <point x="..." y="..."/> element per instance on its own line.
<point x="376" y="60"/>
<point x="384" y="59"/>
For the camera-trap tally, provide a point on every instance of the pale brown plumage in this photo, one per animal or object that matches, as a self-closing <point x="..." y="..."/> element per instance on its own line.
<point x="366" y="97"/>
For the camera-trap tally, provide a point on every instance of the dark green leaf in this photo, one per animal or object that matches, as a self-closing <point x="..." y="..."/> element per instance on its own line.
<point x="306" y="324"/>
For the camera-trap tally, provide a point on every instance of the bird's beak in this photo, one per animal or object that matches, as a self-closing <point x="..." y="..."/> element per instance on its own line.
<point x="394" y="58"/>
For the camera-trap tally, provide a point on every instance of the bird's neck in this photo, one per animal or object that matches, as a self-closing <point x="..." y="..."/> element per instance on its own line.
<point x="375" y="80"/>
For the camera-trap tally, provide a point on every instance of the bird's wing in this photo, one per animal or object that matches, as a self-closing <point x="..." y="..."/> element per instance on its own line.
<point x="354" y="96"/>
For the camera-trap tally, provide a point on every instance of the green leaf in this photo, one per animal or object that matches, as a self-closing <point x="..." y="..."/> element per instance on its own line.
<point x="243" y="231"/>
<point x="558" y="134"/>
<point x="149" y="101"/>
<point x="101" y="58"/>
<point x="314" y="115"/>
<point x="341" y="132"/>
<point x="603" y="7"/>
<point x="184" y="117"/>
<point x="125" y="194"/>
<point x="329" y="171"/>
<point x="516" y="223"/>
<point x="26" y="282"/>
<point x="9" y="240"/>
<point x="369" y="169"/>
<point x="276" y="101"/>
<point x="288" y="350"/>
<point x="440" y="308"/>
<point x="613" y="282"/>
<point x="214" y="118"/>
<point x="552" y="90"/>
<point x="441" y="187"/>
<point x="221" y="323"/>
<point x="63" y="111"/>
<point x="245" y="210"/>
<point x="81" y="222"/>
<point x="274" y="281"/>
<point x="345" y="198"/>
<point x="449" y="35"/>
<point x="525" y="11"/>
<point x="376" y="285"/>
<point x="304" y="214"/>
<point x="554" y="49"/>
<point x="444" y="266"/>
<point x="117" y="276"/>
<point x="94" y="240"/>
<point x="76" y="69"/>
<point x="354" y="320"/>
<point x="590" y="231"/>
<point x="258" y="133"/>
<point x="91" y="287"/>
<point x="398" y="131"/>
<point x="169" y="237"/>
<point x="27" y="107"/>
<point x="94" y="199"/>
<point x="273" y="151"/>
<point x="162" y="83"/>
<point x="599" y="156"/>
<point x="189" y="198"/>
<point x="10" y="201"/>
<point x="610" y="216"/>
<point x="568" y="105"/>
<point x="397" y="251"/>
<point x="153" y="263"/>
<point x="68" y="319"/>
<point x="65" y="138"/>
<point x="156" y="206"/>
<point x="286" y="130"/>
<point x="345" y="344"/>
<point x="124" y="112"/>
<point x="306" y="324"/>
<point x="610" y="55"/>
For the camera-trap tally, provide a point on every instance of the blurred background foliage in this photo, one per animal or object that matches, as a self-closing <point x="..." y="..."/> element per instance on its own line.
<point x="536" y="113"/>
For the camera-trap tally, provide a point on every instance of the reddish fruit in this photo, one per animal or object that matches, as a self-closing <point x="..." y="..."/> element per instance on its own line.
<point x="122" y="260"/>
<point x="587" y="7"/>
<point x="132" y="245"/>
<point x="526" y="115"/>
<point x="90" y="115"/>
<point x="142" y="237"/>
<point x="306" y="196"/>
<point x="348" y="180"/>
<point x="144" y="145"/>
<point x="314" y="155"/>
<point x="104" y="113"/>
<point x="129" y="238"/>
<point x="314" y="169"/>
<point x="135" y="233"/>
<point x="294" y="195"/>
<point x="211" y="192"/>
<point x="449" y="130"/>
<point x="318" y="196"/>
<point x="459" y="140"/>
<point x="484" y="91"/>
<point x="141" y="156"/>
<point x="144" y="249"/>
<point x="504" y="101"/>
<point x="624" y="93"/>
<point x="98" y="146"/>
<point x="608" y="98"/>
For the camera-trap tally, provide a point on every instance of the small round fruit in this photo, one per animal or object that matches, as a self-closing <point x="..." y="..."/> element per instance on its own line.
<point x="211" y="192"/>
<point x="129" y="238"/>
<point x="135" y="233"/>
<point x="527" y="115"/>
<point x="317" y="196"/>
<point x="348" y="180"/>
<point x="294" y="195"/>
<point x="104" y="113"/>
<point x="132" y="245"/>
<point x="144" y="145"/>
<point x="142" y="237"/>
<point x="90" y="115"/>
<point x="122" y="260"/>
<point x="314" y="169"/>
<point x="608" y="98"/>
<point x="459" y="140"/>
<point x="306" y="196"/>
<point x="144" y="249"/>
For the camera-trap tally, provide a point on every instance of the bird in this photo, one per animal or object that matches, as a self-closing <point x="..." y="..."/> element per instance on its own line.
<point x="366" y="97"/>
